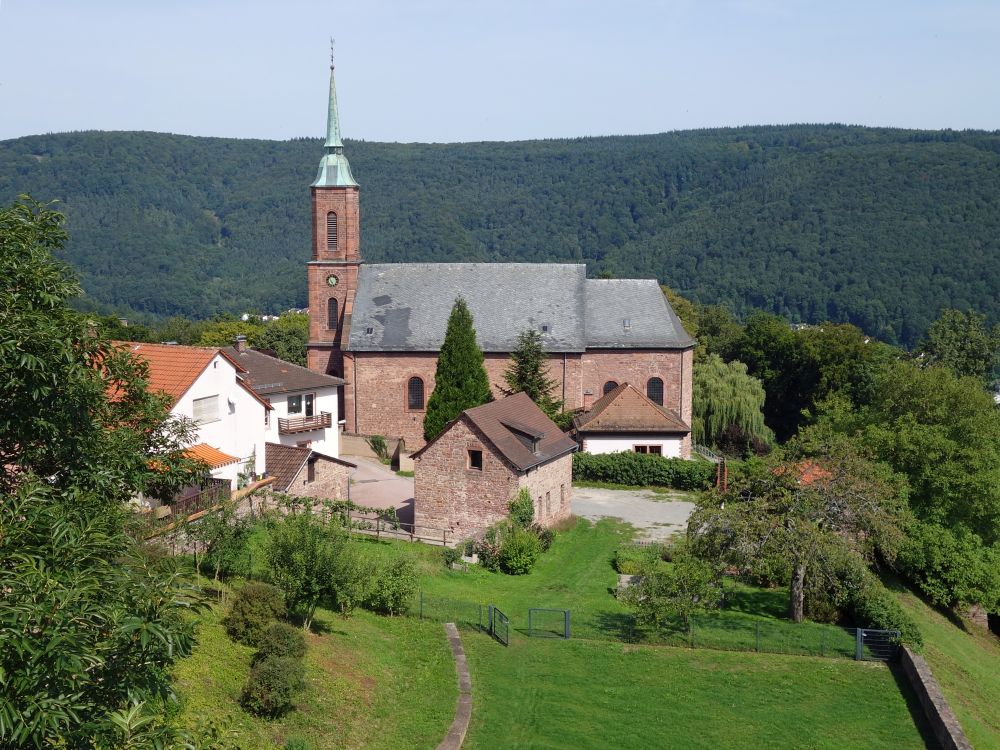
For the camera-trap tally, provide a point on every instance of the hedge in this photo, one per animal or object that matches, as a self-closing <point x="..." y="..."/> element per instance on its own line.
<point x="643" y="470"/>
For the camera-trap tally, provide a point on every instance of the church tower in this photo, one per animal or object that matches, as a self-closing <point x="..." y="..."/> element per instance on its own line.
<point x="336" y="249"/>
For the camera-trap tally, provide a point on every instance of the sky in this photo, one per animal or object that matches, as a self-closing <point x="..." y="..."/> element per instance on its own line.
<point x="470" y="70"/>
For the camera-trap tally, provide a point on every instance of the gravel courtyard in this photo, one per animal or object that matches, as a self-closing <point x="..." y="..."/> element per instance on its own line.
<point x="656" y="516"/>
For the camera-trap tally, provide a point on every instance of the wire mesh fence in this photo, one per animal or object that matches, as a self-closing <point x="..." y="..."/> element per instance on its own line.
<point x="723" y="631"/>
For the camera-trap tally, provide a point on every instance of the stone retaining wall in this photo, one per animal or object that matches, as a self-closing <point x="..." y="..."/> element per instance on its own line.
<point x="943" y="723"/>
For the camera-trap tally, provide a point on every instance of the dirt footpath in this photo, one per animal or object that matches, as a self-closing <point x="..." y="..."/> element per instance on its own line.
<point x="655" y="516"/>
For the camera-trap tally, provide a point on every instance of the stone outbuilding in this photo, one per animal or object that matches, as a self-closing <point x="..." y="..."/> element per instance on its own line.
<point x="467" y="475"/>
<point x="308" y="473"/>
<point x="624" y="419"/>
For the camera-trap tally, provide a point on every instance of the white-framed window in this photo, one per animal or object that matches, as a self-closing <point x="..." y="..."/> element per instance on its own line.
<point x="206" y="409"/>
<point x="302" y="404"/>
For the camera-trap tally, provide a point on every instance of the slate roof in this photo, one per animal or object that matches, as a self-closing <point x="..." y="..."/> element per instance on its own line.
<point x="626" y="409"/>
<point x="510" y="425"/>
<point x="406" y="307"/>
<point x="284" y="462"/>
<point x="267" y="374"/>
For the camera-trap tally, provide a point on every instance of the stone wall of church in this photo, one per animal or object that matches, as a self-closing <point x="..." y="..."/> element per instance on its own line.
<point x="375" y="398"/>
<point x="448" y="494"/>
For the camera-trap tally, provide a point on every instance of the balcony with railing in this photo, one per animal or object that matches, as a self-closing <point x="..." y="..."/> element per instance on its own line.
<point x="291" y="425"/>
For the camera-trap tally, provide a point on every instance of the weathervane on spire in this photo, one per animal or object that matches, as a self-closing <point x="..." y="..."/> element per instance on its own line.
<point x="331" y="53"/>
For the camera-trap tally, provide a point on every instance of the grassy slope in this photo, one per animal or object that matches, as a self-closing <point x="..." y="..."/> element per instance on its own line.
<point x="580" y="694"/>
<point x="966" y="665"/>
<point x="372" y="682"/>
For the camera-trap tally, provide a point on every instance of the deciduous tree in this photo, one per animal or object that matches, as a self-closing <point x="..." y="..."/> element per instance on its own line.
<point x="725" y="396"/>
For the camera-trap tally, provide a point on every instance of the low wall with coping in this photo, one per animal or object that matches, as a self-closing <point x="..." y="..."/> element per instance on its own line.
<point x="942" y="720"/>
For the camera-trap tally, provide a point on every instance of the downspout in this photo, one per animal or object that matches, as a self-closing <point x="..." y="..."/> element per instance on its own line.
<point x="564" y="381"/>
<point x="680" y="391"/>
<point x="354" y="387"/>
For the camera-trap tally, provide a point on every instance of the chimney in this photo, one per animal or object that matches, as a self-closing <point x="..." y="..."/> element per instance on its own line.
<point x="240" y="344"/>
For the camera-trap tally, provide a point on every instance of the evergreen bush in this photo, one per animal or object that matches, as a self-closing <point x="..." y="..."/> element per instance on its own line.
<point x="254" y="607"/>
<point x="272" y="685"/>
<point x="522" y="508"/>
<point x="281" y="640"/>
<point x="643" y="470"/>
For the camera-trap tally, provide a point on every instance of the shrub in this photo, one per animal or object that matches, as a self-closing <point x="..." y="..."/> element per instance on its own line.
<point x="872" y="606"/>
<point x="392" y="588"/>
<point x="451" y="555"/>
<point x="271" y="686"/>
<point x="631" y="559"/>
<point x="643" y="470"/>
<point x="522" y="508"/>
<point x="281" y="640"/>
<point x="253" y="608"/>
<point x="379" y="447"/>
<point x="545" y="536"/>
<point x="519" y="551"/>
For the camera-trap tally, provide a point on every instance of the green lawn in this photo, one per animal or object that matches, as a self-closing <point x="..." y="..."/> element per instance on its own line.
<point x="593" y="694"/>
<point x="966" y="664"/>
<point x="371" y="682"/>
<point x="576" y="574"/>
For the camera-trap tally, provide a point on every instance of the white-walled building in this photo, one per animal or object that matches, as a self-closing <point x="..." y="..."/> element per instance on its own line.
<point x="206" y="385"/>
<point x="626" y="420"/>
<point x="305" y="404"/>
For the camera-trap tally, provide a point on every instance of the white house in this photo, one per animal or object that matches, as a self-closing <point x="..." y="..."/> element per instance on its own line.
<point x="206" y="385"/>
<point x="305" y="404"/>
<point x="624" y="419"/>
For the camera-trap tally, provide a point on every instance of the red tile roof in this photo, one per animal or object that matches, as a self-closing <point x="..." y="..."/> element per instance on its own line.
<point x="172" y="369"/>
<point x="284" y="462"/>
<point x="626" y="409"/>
<point x="209" y="455"/>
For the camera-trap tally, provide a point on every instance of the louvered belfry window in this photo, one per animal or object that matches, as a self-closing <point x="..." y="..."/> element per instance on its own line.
<point x="331" y="231"/>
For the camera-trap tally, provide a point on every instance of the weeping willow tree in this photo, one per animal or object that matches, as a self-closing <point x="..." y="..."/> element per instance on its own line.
<point x="727" y="406"/>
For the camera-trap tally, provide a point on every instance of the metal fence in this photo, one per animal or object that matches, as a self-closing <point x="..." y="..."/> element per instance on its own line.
<point x="548" y="623"/>
<point x="719" y="631"/>
<point x="499" y="625"/>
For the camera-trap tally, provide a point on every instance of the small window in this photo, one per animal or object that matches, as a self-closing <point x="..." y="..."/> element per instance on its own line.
<point x="415" y="394"/>
<point x="609" y="386"/>
<point x="295" y="404"/>
<point x="206" y="409"/>
<point x="627" y="324"/>
<point x="653" y="450"/>
<point x="331" y="231"/>
<point x="475" y="460"/>
<point x="369" y="331"/>
<point x="654" y="390"/>
<point x="311" y="471"/>
<point x="331" y="313"/>
<point x="545" y="327"/>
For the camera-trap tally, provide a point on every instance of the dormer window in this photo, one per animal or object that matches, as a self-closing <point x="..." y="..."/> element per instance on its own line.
<point x="369" y="331"/>
<point x="331" y="232"/>
<point x="545" y="327"/>
<point x="627" y="324"/>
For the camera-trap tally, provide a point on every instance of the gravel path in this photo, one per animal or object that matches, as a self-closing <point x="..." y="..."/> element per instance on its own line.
<point x="656" y="516"/>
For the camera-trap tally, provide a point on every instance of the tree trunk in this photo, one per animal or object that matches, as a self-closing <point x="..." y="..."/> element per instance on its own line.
<point x="796" y="604"/>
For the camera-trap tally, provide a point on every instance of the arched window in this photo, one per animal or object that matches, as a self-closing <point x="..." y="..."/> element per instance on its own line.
<point x="331" y="231"/>
<point x="609" y="386"/>
<point x="331" y="313"/>
<point x="654" y="390"/>
<point x="415" y="394"/>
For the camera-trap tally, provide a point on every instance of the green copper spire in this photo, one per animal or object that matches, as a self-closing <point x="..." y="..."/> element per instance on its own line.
<point x="334" y="169"/>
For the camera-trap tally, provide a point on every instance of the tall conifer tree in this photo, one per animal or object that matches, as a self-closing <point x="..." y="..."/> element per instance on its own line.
<point x="460" y="381"/>
<point x="527" y="372"/>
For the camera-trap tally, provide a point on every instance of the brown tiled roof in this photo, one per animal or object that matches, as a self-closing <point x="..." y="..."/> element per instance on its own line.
<point x="172" y="369"/>
<point x="511" y="425"/>
<point x="284" y="462"/>
<point x="625" y="409"/>
<point x="209" y="455"/>
<point x="267" y="374"/>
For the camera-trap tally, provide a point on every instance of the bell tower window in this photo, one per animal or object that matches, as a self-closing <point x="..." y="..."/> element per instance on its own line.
<point x="654" y="390"/>
<point x="331" y="232"/>
<point x="331" y="313"/>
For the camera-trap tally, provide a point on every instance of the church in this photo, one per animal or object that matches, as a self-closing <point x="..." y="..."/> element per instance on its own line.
<point x="380" y="326"/>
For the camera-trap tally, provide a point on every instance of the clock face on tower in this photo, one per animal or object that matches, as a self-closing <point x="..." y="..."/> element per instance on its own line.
<point x="331" y="280"/>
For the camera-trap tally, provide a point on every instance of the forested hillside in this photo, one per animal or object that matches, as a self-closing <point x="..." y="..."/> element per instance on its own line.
<point x="880" y="228"/>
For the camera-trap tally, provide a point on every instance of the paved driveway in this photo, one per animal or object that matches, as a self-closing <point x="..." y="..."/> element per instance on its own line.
<point x="655" y="516"/>
<point x="377" y="486"/>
